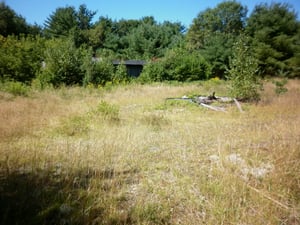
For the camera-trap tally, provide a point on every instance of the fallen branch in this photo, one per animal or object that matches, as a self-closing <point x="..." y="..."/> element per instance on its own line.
<point x="205" y="101"/>
<point x="269" y="198"/>
<point x="220" y="109"/>
<point x="183" y="98"/>
<point x="238" y="105"/>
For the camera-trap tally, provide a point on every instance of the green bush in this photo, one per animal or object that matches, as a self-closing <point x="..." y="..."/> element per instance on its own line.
<point x="153" y="71"/>
<point x="98" y="72"/>
<point x="178" y="64"/>
<point x="20" y="57"/>
<point x="63" y="63"/>
<point x="243" y="72"/>
<point x="189" y="66"/>
<point x="109" y="111"/>
<point x="14" y="87"/>
<point x="120" y="74"/>
<point x="280" y="86"/>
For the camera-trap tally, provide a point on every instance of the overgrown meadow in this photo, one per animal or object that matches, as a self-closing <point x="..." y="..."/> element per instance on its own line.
<point x="126" y="155"/>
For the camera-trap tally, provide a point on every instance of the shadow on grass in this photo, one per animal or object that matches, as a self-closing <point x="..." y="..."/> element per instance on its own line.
<point x="47" y="197"/>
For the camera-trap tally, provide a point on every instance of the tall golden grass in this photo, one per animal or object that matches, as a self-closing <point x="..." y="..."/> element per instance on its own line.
<point x="127" y="156"/>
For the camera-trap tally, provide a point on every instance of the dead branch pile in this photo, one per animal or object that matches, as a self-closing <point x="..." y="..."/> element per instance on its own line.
<point x="206" y="101"/>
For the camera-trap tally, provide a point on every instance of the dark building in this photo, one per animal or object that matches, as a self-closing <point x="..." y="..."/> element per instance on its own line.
<point x="134" y="67"/>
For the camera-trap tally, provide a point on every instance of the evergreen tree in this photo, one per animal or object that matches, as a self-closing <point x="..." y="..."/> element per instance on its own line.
<point x="275" y="30"/>
<point x="10" y="22"/>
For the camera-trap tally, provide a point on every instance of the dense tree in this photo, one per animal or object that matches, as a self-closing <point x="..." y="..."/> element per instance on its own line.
<point x="63" y="62"/>
<point x="84" y="17"/>
<point x="143" y="38"/>
<point x="60" y="22"/>
<point x="11" y="23"/>
<point x="207" y="49"/>
<point x="117" y="39"/>
<point x="275" y="30"/>
<point x="217" y="51"/>
<point x="67" y="21"/>
<point x="20" y="58"/>
<point x="98" y="34"/>
<point x="214" y="31"/>
<point x="227" y="17"/>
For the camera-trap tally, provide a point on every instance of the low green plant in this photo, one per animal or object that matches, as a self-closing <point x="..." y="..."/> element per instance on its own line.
<point x="151" y="214"/>
<point x="16" y="88"/>
<point x="109" y="111"/>
<point x="280" y="86"/>
<point x="74" y="126"/>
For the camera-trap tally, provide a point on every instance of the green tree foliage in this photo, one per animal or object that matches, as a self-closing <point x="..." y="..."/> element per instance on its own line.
<point x="20" y="57"/>
<point x="217" y="51"/>
<point x="227" y="17"/>
<point x="63" y="63"/>
<point x="276" y="32"/>
<point x="98" y="72"/>
<point x="60" y="22"/>
<point x="13" y="24"/>
<point x="120" y="75"/>
<point x="243" y="72"/>
<point x="117" y="40"/>
<point x="178" y="64"/>
<point x="150" y="40"/>
<point x="214" y="31"/>
<point x="154" y="71"/>
<point x="183" y="65"/>
<point x="136" y="39"/>
<point x="67" y="21"/>
<point x="100" y="32"/>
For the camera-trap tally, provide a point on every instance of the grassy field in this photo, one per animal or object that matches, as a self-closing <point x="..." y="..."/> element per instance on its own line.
<point x="124" y="155"/>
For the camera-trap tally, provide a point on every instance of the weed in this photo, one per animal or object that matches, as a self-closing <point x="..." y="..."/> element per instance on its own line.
<point x="74" y="126"/>
<point x="280" y="86"/>
<point x="109" y="111"/>
<point x="15" y="88"/>
<point x="157" y="121"/>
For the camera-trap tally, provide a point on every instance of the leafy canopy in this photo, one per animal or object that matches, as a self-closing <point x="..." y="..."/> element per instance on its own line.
<point x="214" y="31"/>
<point x="243" y="72"/>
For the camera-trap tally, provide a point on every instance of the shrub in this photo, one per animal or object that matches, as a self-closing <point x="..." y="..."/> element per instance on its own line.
<point x="109" y="112"/>
<point x="98" y="72"/>
<point x="20" y="58"/>
<point x="243" y="72"/>
<point x="178" y="64"/>
<point x="63" y="63"/>
<point x="14" y="87"/>
<point x="120" y="74"/>
<point x="154" y="71"/>
<point x="280" y="86"/>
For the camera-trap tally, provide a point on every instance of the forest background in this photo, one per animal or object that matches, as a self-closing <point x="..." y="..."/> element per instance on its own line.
<point x="61" y="51"/>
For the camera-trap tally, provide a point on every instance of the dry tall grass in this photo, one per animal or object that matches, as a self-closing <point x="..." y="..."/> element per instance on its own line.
<point x="127" y="156"/>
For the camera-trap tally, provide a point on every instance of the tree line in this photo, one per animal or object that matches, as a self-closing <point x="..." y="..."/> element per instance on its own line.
<point x="210" y="47"/>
